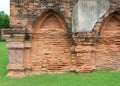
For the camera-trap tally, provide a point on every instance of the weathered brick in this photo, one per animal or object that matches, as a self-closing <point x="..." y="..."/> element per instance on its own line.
<point x="41" y="40"/>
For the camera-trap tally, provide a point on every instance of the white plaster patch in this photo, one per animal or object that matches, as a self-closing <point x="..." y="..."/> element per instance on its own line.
<point x="86" y="13"/>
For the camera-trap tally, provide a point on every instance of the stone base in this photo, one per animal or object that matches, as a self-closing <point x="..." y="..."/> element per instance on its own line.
<point x="16" y="74"/>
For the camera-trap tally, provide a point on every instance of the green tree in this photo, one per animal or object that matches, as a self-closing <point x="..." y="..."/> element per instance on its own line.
<point x="4" y="20"/>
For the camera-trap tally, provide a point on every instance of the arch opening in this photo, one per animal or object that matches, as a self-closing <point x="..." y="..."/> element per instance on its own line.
<point x="109" y="44"/>
<point x="50" y="44"/>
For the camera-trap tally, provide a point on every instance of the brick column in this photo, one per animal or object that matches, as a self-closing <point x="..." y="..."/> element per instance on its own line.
<point x="16" y="55"/>
<point x="27" y="57"/>
<point x="84" y="52"/>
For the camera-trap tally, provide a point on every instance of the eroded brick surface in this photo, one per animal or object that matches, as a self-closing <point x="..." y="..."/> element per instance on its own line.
<point x="108" y="47"/>
<point x="41" y="40"/>
<point x="50" y="45"/>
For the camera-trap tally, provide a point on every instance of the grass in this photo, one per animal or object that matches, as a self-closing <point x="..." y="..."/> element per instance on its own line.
<point x="66" y="79"/>
<point x="3" y="59"/>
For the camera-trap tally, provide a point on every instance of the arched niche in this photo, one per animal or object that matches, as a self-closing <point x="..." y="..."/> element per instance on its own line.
<point x="49" y="15"/>
<point x="50" y="44"/>
<point x="111" y="27"/>
<point x="108" y="47"/>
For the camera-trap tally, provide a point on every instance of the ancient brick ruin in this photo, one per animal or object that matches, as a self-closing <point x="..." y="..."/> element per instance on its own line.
<point x="41" y="39"/>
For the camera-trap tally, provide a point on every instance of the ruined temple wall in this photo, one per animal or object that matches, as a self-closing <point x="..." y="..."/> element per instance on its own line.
<point x="108" y="46"/>
<point x="107" y="53"/>
<point x="50" y="50"/>
<point x="88" y="52"/>
<point x="24" y="13"/>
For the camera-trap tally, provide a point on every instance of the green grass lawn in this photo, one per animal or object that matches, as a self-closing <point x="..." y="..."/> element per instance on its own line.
<point x="66" y="79"/>
<point x="3" y="59"/>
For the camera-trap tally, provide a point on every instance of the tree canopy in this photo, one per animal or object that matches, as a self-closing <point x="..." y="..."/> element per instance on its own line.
<point x="4" y="20"/>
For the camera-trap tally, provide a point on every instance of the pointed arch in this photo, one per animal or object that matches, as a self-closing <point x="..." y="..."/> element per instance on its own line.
<point x="109" y="43"/>
<point x="112" y="17"/>
<point x="45" y="15"/>
<point x="111" y="14"/>
<point x="50" y="43"/>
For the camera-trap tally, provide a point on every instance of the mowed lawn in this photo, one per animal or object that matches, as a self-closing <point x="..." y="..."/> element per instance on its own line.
<point x="66" y="79"/>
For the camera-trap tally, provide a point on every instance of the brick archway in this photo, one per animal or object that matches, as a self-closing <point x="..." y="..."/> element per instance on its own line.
<point x="50" y="44"/>
<point x="108" y="56"/>
<point x="111" y="24"/>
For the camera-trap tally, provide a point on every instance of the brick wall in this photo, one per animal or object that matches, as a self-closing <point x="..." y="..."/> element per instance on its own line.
<point x="25" y="13"/>
<point x="50" y="45"/>
<point x="108" y="47"/>
<point x="43" y="37"/>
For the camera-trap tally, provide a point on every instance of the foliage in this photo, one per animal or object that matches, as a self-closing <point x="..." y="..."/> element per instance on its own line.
<point x="66" y="79"/>
<point x="4" y="20"/>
